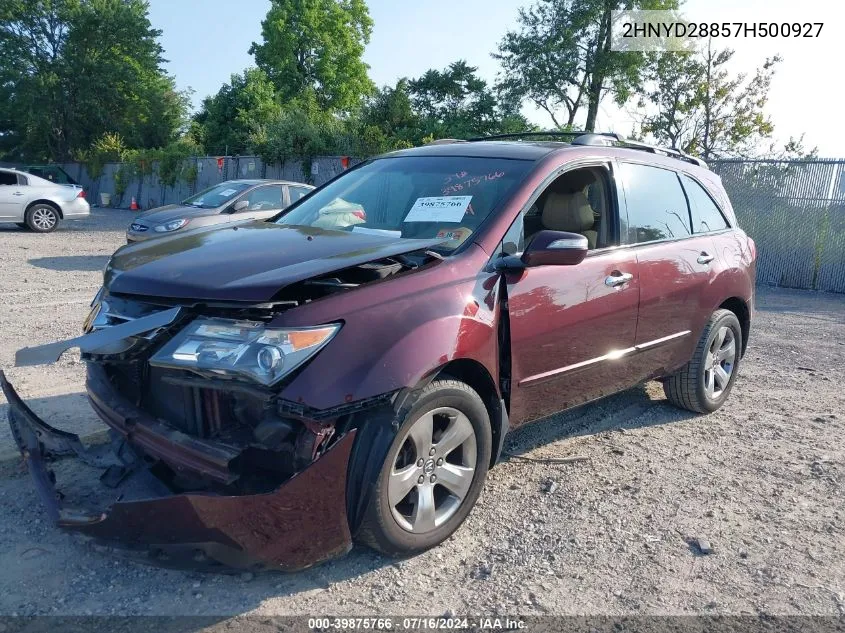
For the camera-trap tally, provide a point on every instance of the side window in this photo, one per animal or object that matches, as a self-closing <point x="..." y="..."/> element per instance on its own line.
<point x="706" y="216"/>
<point x="514" y="240"/>
<point x="578" y="201"/>
<point x="657" y="206"/>
<point x="8" y="178"/>
<point x="264" y="198"/>
<point x="298" y="192"/>
<point x="22" y="180"/>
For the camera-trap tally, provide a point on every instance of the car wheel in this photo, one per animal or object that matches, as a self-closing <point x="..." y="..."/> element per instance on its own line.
<point x="433" y="472"/>
<point x="42" y="218"/>
<point x="704" y="383"/>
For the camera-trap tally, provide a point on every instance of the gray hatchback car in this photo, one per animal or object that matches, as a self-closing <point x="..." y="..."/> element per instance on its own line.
<point x="230" y="201"/>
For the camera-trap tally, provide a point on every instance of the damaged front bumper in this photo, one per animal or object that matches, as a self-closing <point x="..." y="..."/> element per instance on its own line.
<point x="301" y="523"/>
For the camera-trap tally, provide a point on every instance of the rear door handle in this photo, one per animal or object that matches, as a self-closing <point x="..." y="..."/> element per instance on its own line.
<point x="18" y="193"/>
<point x="617" y="279"/>
<point x="705" y="258"/>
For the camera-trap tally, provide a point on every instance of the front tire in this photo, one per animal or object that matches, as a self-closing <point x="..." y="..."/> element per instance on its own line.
<point x="433" y="472"/>
<point x="42" y="218"/>
<point x="705" y="382"/>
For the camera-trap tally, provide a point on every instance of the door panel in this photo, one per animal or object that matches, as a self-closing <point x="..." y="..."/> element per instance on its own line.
<point x="565" y="325"/>
<point x="12" y="197"/>
<point x="674" y="300"/>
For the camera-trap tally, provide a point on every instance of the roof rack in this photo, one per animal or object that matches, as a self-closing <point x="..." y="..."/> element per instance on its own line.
<point x="657" y="149"/>
<point x="446" y="141"/>
<point x="594" y="139"/>
<point x="574" y="133"/>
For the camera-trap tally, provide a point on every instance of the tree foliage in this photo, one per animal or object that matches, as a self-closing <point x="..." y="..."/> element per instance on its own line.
<point x="72" y="70"/>
<point x="695" y="104"/>
<point x="560" y="58"/>
<point x="456" y="103"/>
<point x="240" y="110"/>
<point x="315" y="46"/>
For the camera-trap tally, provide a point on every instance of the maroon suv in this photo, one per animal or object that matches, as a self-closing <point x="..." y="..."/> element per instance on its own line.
<point x="349" y="370"/>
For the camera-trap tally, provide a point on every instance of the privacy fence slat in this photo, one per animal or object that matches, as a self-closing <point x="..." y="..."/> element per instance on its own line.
<point x="149" y="191"/>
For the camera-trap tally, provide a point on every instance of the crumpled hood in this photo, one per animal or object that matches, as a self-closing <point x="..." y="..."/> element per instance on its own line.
<point x="246" y="262"/>
<point x="171" y="212"/>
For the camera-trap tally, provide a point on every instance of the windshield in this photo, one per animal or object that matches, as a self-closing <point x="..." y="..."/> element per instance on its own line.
<point x="216" y="196"/>
<point x="420" y="197"/>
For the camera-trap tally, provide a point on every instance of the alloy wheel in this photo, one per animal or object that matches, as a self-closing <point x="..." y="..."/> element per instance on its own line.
<point x="719" y="362"/>
<point x="44" y="219"/>
<point x="433" y="470"/>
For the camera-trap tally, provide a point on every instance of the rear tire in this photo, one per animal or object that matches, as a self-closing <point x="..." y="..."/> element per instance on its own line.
<point x="42" y="218"/>
<point x="706" y="380"/>
<point x="450" y="424"/>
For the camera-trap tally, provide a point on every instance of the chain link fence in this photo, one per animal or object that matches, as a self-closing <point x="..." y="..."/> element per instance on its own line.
<point x="795" y="212"/>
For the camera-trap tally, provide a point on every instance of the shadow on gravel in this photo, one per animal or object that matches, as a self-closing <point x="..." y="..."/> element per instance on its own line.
<point x="92" y="263"/>
<point x="630" y="409"/>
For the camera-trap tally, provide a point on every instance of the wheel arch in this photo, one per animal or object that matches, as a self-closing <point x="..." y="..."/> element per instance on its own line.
<point x="740" y="308"/>
<point x="50" y="203"/>
<point x="474" y="374"/>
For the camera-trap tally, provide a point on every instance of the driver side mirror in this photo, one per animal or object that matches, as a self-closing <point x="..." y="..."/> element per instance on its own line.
<point x="555" y="248"/>
<point x="240" y="205"/>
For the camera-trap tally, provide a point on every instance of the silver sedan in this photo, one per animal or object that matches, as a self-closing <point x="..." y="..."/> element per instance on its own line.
<point x="230" y="201"/>
<point x="38" y="204"/>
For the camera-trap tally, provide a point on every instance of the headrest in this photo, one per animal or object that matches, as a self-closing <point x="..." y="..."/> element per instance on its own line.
<point x="567" y="212"/>
<point x="577" y="180"/>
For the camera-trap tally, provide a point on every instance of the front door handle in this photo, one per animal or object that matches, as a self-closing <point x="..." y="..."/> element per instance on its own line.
<point x="617" y="279"/>
<point x="705" y="258"/>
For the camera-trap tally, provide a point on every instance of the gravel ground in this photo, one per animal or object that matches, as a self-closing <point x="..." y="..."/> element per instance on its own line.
<point x="737" y="512"/>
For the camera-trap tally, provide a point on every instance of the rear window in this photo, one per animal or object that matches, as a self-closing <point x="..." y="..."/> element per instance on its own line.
<point x="298" y="192"/>
<point x="706" y="216"/>
<point x="657" y="206"/>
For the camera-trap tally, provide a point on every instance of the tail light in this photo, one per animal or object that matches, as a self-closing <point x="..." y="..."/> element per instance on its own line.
<point x="81" y="193"/>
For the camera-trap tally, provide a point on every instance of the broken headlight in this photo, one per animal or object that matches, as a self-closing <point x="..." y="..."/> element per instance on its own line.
<point x="243" y="348"/>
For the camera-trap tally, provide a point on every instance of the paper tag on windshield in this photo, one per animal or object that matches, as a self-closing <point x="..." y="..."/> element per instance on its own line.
<point x="228" y="192"/>
<point x="439" y="209"/>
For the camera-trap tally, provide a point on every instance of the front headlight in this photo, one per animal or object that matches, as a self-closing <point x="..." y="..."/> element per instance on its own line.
<point x="173" y="225"/>
<point x="243" y="348"/>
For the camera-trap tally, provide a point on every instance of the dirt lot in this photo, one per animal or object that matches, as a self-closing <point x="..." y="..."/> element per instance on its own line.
<point x="761" y="481"/>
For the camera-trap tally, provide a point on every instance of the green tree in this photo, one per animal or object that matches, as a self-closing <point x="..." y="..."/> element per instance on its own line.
<point x="456" y="103"/>
<point x="387" y="120"/>
<point x="316" y="46"/>
<point x="72" y="70"/>
<point x="240" y="110"/>
<point x="695" y="104"/>
<point x="561" y="57"/>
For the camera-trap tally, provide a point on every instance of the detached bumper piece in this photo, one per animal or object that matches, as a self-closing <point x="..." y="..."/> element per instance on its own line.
<point x="301" y="523"/>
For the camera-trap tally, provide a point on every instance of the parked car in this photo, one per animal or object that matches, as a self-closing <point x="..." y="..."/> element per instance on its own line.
<point x="230" y="201"/>
<point x="38" y="204"/>
<point x="296" y="387"/>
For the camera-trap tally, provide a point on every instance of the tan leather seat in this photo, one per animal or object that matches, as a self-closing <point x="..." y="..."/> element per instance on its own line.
<point x="570" y="212"/>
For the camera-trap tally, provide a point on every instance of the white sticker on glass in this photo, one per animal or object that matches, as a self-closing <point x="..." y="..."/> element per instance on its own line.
<point x="439" y="209"/>
<point x="228" y="192"/>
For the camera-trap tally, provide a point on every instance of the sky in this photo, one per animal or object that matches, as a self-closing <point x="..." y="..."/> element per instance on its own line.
<point x="206" y="41"/>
